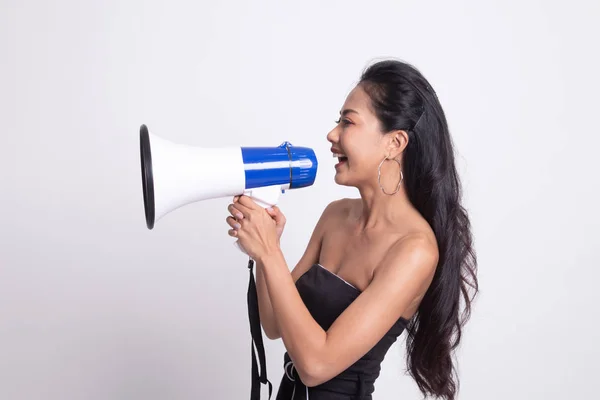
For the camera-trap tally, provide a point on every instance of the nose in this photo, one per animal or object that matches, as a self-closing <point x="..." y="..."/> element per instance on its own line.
<point x="333" y="135"/>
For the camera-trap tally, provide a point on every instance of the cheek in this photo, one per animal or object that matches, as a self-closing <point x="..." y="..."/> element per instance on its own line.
<point x="360" y="164"/>
<point x="361" y="152"/>
<point x="361" y="147"/>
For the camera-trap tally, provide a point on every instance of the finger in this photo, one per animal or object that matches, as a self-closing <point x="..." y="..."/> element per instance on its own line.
<point x="234" y="210"/>
<point x="232" y="232"/>
<point x="233" y="223"/>
<point x="273" y="210"/>
<point x="247" y="202"/>
<point x="276" y="213"/>
<point x="236" y="199"/>
<point x="241" y="207"/>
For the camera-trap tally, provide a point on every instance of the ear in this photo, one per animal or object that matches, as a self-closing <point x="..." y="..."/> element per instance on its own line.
<point x="396" y="143"/>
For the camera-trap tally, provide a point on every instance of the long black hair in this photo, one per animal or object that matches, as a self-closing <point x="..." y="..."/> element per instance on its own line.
<point x="402" y="99"/>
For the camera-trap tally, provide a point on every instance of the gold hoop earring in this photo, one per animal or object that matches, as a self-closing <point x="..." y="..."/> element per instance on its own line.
<point x="379" y="176"/>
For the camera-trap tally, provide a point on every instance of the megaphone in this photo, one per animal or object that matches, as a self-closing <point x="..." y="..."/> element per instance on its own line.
<point x="174" y="175"/>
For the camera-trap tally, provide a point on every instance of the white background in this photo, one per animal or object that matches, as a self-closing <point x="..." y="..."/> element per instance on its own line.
<point x="93" y="305"/>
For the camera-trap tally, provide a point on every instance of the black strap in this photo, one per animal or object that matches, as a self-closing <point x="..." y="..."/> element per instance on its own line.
<point x="256" y="332"/>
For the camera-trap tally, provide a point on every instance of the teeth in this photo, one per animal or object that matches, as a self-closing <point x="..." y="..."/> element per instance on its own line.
<point x="338" y="155"/>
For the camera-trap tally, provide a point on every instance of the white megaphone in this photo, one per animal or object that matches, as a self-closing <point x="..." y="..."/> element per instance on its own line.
<point x="174" y="175"/>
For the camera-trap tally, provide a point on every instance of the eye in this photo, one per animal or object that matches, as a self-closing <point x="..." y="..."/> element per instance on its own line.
<point x="344" y="121"/>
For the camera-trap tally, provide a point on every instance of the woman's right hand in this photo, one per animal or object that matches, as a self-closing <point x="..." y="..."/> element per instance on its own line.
<point x="276" y="214"/>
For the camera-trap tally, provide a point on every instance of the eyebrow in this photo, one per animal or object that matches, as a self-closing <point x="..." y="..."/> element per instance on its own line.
<point x="348" y="111"/>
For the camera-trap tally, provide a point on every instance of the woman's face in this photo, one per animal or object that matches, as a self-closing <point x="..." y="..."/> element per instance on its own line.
<point x="358" y="137"/>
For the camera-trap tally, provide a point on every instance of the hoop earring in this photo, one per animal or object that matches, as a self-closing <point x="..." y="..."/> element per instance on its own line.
<point x="379" y="177"/>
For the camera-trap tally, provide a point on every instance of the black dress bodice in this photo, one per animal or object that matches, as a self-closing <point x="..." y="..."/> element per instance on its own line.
<point x="326" y="295"/>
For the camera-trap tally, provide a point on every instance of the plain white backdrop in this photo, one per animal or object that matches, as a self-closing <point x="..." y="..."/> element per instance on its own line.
<point x="95" y="306"/>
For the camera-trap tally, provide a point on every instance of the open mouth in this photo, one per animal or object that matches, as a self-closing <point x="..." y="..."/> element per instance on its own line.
<point x="341" y="158"/>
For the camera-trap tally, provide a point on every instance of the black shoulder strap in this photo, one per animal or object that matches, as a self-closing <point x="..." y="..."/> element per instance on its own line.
<point x="256" y="333"/>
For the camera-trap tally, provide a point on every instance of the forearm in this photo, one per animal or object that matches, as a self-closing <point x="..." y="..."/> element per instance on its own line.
<point x="267" y="316"/>
<point x="303" y="337"/>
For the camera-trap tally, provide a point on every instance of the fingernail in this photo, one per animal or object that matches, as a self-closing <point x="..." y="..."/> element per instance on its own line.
<point x="237" y="226"/>
<point x="238" y="215"/>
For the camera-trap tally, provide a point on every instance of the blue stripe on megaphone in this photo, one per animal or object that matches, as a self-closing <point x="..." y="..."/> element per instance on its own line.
<point x="266" y="166"/>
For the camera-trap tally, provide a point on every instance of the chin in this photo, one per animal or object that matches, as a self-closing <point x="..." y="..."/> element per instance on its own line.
<point x="341" y="181"/>
<point x="336" y="179"/>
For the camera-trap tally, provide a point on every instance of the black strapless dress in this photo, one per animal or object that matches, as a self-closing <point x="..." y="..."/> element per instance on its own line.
<point x="326" y="295"/>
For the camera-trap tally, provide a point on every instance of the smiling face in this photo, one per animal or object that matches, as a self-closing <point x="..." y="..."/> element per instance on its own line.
<point x="358" y="137"/>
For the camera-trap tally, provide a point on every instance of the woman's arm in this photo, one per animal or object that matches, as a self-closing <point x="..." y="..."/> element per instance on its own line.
<point x="310" y="257"/>
<point x="265" y="310"/>
<point x="319" y="355"/>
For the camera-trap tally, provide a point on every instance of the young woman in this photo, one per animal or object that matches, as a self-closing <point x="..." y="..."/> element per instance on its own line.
<point x="399" y="258"/>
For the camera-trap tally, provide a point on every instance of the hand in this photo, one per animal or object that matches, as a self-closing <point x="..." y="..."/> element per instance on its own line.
<point x="274" y="212"/>
<point x="279" y="219"/>
<point x="257" y="229"/>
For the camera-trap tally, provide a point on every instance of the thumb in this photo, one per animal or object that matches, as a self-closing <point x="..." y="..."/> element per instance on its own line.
<point x="275" y="212"/>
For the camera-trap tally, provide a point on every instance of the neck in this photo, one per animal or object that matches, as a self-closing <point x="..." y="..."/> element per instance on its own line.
<point x="380" y="209"/>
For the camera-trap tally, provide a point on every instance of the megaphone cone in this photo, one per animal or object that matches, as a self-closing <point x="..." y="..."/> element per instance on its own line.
<point x="174" y="175"/>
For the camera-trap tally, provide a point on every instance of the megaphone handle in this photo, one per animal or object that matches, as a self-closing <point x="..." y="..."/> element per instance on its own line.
<point x="237" y="242"/>
<point x="265" y="197"/>
<point x="239" y="246"/>
<point x="263" y="204"/>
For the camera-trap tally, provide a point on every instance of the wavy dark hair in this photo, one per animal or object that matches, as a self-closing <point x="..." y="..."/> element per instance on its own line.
<point x="402" y="99"/>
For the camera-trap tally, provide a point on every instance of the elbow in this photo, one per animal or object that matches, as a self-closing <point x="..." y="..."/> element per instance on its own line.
<point x="272" y="334"/>
<point x="312" y="373"/>
<point x="310" y="381"/>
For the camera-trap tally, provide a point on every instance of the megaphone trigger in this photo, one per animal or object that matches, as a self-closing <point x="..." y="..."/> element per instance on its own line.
<point x="266" y="196"/>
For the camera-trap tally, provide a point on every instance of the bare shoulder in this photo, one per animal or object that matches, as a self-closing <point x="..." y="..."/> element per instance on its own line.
<point x="420" y="245"/>
<point x="417" y="238"/>
<point x="339" y="209"/>
<point x="414" y="256"/>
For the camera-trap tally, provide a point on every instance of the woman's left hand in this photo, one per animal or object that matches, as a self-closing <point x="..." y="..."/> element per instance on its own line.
<point x="253" y="226"/>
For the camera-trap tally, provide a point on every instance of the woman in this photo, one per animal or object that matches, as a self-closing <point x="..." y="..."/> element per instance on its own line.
<point x="399" y="258"/>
